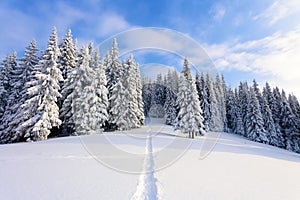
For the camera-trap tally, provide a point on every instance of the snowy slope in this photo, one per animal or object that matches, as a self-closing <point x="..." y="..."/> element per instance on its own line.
<point x="92" y="167"/>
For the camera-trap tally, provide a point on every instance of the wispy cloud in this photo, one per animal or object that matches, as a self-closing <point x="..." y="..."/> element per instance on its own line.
<point x="276" y="55"/>
<point x="277" y="11"/>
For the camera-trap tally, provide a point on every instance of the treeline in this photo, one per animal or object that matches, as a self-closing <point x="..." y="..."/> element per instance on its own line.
<point x="66" y="91"/>
<point x="269" y="117"/>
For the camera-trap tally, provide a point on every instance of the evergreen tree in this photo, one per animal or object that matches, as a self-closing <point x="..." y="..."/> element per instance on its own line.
<point x="11" y="85"/>
<point x="189" y="119"/>
<point x="215" y="114"/>
<point x="118" y="106"/>
<point x="44" y="93"/>
<point x="139" y="96"/>
<point x="243" y="93"/>
<point x="113" y="74"/>
<point x="67" y="58"/>
<point x="170" y="107"/>
<point x="295" y="107"/>
<point x="269" y="125"/>
<point x="147" y="92"/>
<point x="254" y="123"/>
<point x="257" y="93"/>
<point x="220" y="96"/>
<point x="236" y="112"/>
<point x="230" y="109"/>
<point x="287" y="118"/>
<point x="101" y="90"/>
<point x="88" y="114"/>
<point x="25" y="75"/>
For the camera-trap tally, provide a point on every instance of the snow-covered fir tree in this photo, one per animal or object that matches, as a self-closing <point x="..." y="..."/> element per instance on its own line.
<point x="118" y="106"/>
<point x="129" y="82"/>
<point x="25" y="75"/>
<point x="100" y="89"/>
<point x="287" y="118"/>
<point x="220" y="96"/>
<point x="237" y="124"/>
<point x="295" y="107"/>
<point x="269" y="125"/>
<point x="114" y="73"/>
<point x="67" y="58"/>
<point x="230" y="109"/>
<point x="189" y="119"/>
<point x="44" y="92"/>
<point x="139" y="97"/>
<point x="87" y="105"/>
<point x="203" y="98"/>
<point x="12" y="86"/>
<point x="254" y="123"/>
<point x="215" y="123"/>
<point x="170" y="107"/>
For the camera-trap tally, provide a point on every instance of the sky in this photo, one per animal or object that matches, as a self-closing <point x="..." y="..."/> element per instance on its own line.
<point x="245" y="40"/>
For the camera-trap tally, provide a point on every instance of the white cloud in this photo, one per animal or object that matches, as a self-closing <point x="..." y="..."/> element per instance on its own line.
<point x="276" y="56"/>
<point x="111" y="23"/>
<point x="278" y="10"/>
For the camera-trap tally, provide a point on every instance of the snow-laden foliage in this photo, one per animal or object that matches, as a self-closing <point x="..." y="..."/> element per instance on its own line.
<point x="44" y="91"/>
<point x="189" y="119"/>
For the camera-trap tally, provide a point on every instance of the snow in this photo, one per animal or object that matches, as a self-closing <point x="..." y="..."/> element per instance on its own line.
<point x="72" y="167"/>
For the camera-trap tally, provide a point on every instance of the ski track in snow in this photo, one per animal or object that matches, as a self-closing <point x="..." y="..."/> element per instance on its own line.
<point x="147" y="187"/>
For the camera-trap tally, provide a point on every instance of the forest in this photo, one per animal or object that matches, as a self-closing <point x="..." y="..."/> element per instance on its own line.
<point x="69" y="91"/>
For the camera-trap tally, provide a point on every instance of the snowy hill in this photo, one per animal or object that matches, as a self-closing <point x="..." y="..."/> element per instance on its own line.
<point x="94" y="167"/>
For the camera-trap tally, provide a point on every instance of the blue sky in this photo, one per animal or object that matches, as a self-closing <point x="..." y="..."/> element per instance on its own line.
<point x="245" y="39"/>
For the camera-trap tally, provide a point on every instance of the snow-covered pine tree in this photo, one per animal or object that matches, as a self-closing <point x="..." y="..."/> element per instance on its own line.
<point x="4" y="85"/>
<point x="274" y="107"/>
<point x="67" y="58"/>
<point x="254" y="123"/>
<point x="25" y="75"/>
<point x="238" y="125"/>
<point x="118" y="106"/>
<point x="287" y="118"/>
<point x="87" y="105"/>
<point x="257" y="93"/>
<point x="13" y="85"/>
<point x="220" y="96"/>
<point x="147" y="92"/>
<point x="203" y="98"/>
<point x="113" y="66"/>
<point x="244" y="97"/>
<point x="43" y="94"/>
<point x="140" y="109"/>
<point x="113" y="72"/>
<point x="130" y="85"/>
<point x="215" y="114"/>
<point x="170" y="107"/>
<point x="295" y="107"/>
<point x="100" y="89"/>
<point x="189" y="119"/>
<point x="26" y="114"/>
<point x="230" y="109"/>
<point x="3" y="94"/>
<point x="269" y="125"/>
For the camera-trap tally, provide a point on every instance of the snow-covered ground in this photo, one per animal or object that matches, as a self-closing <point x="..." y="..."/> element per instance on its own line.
<point x="108" y="166"/>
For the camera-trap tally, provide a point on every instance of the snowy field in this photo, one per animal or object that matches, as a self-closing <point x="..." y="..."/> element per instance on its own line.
<point x="108" y="166"/>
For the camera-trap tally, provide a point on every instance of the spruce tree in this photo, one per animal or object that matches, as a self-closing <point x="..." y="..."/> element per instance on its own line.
<point x="11" y="85"/>
<point x="215" y="113"/>
<point x="189" y="119"/>
<point x="44" y="93"/>
<point x="254" y="122"/>
<point x="27" y="72"/>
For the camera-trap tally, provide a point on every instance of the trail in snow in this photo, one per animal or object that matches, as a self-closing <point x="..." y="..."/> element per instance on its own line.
<point x="147" y="186"/>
